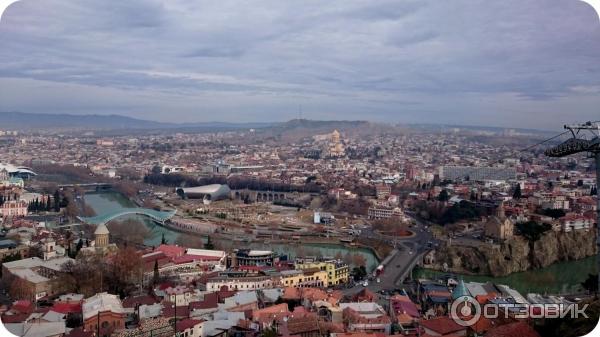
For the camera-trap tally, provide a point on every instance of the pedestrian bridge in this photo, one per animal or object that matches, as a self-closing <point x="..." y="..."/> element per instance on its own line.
<point x="158" y="216"/>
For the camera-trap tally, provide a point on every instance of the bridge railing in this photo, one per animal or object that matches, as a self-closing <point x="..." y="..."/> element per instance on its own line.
<point x="105" y="218"/>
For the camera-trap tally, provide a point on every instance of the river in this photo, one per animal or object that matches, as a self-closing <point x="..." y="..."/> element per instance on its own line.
<point x="558" y="278"/>
<point x="108" y="202"/>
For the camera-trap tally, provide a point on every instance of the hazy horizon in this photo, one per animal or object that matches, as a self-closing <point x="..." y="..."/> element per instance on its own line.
<point x="517" y="64"/>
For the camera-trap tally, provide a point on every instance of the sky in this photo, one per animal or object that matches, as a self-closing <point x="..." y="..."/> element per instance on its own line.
<point x="510" y="63"/>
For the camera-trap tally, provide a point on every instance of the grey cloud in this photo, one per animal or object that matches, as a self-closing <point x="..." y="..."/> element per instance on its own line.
<point x="395" y="60"/>
<point x="215" y="52"/>
<point x="387" y="10"/>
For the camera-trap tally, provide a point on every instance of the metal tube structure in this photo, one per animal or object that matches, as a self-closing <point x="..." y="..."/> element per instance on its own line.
<point x="578" y="144"/>
<point x="597" y="157"/>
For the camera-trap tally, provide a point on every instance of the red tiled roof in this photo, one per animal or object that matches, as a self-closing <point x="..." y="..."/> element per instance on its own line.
<point x="403" y="305"/>
<point x="65" y="308"/>
<point x="210" y="301"/>
<point x="18" y="318"/>
<point x="365" y="295"/>
<point x="299" y="325"/>
<point x="151" y="257"/>
<point x="301" y="311"/>
<point x="517" y="329"/>
<point x="171" y="250"/>
<point x="442" y="325"/>
<point x="225" y="293"/>
<point x="130" y="302"/>
<point x="169" y="310"/>
<point x="187" y="323"/>
<point x="206" y="276"/>
<point x="269" y="313"/>
<point x="191" y="258"/>
<point x="22" y="306"/>
<point x="483" y="299"/>
<point x="483" y="324"/>
<point x="360" y="334"/>
<point x="291" y="293"/>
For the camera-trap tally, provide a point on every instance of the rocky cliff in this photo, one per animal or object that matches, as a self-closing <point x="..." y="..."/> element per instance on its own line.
<point x="515" y="255"/>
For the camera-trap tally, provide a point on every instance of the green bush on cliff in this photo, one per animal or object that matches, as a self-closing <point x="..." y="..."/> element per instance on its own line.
<point x="463" y="210"/>
<point x="532" y="230"/>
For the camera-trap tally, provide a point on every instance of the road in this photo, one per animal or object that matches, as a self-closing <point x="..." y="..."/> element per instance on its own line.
<point x="409" y="250"/>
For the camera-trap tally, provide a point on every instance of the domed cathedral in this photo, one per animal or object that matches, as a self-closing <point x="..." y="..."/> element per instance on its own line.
<point x="101" y="244"/>
<point x="334" y="148"/>
<point x="499" y="227"/>
<point x="101" y="236"/>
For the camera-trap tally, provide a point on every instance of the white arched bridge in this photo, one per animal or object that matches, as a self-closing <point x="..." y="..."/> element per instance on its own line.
<point x="158" y="216"/>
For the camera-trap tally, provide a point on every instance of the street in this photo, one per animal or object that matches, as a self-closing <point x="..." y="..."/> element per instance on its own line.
<point x="409" y="250"/>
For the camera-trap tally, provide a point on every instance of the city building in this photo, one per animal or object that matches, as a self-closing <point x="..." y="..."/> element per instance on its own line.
<point x="103" y="314"/>
<point x="189" y="327"/>
<point x="443" y="326"/>
<point x="377" y="212"/>
<point x="573" y="222"/>
<point x="101" y="235"/>
<point x="314" y="277"/>
<point x="337" y="272"/>
<point x="14" y="208"/>
<point x="334" y="147"/>
<point x="383" y="190"/>
<point x="499" y="227"/>
<point x="462" y="173"/>
<point x="366" y="317"/>
<point x="33" y="278"/>
<point x="17" y="171"/>
<point x="239" y="283"/>
<point x="207" y="193"/>
<point x="249" y="257"/>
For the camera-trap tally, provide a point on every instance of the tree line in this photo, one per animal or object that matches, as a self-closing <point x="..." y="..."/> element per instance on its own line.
<point x="235" y="182"/>
<point x="54" y="203"/>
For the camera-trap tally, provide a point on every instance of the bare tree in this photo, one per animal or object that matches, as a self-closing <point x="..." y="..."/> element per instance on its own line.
<point x="129" y="231"/>
<point x="348" y="258"/>
<point x="359" y="260"/>
<point x="125" y="271"/>
<point x="85" y="275"/>
<point x="189" y="241"/>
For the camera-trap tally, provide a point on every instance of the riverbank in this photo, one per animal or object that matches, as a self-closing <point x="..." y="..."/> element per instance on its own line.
<point x="108" y="202"/>
<point x="515" y="255"/>
<point x="558" y="278"/>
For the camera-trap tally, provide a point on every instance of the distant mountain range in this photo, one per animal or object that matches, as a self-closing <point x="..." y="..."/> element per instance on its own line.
<point x="118" y="124"/>
<point x="33" y="121"/>
<point x="315" y="124"/>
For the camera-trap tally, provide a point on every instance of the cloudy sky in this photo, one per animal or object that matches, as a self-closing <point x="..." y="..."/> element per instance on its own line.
<point x="530" y="63"/>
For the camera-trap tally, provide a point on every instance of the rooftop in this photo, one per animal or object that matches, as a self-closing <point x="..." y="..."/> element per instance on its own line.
<point x="100" y="303"/>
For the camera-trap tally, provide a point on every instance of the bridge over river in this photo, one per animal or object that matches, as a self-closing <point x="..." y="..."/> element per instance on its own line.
<point x="158" y="216"/>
